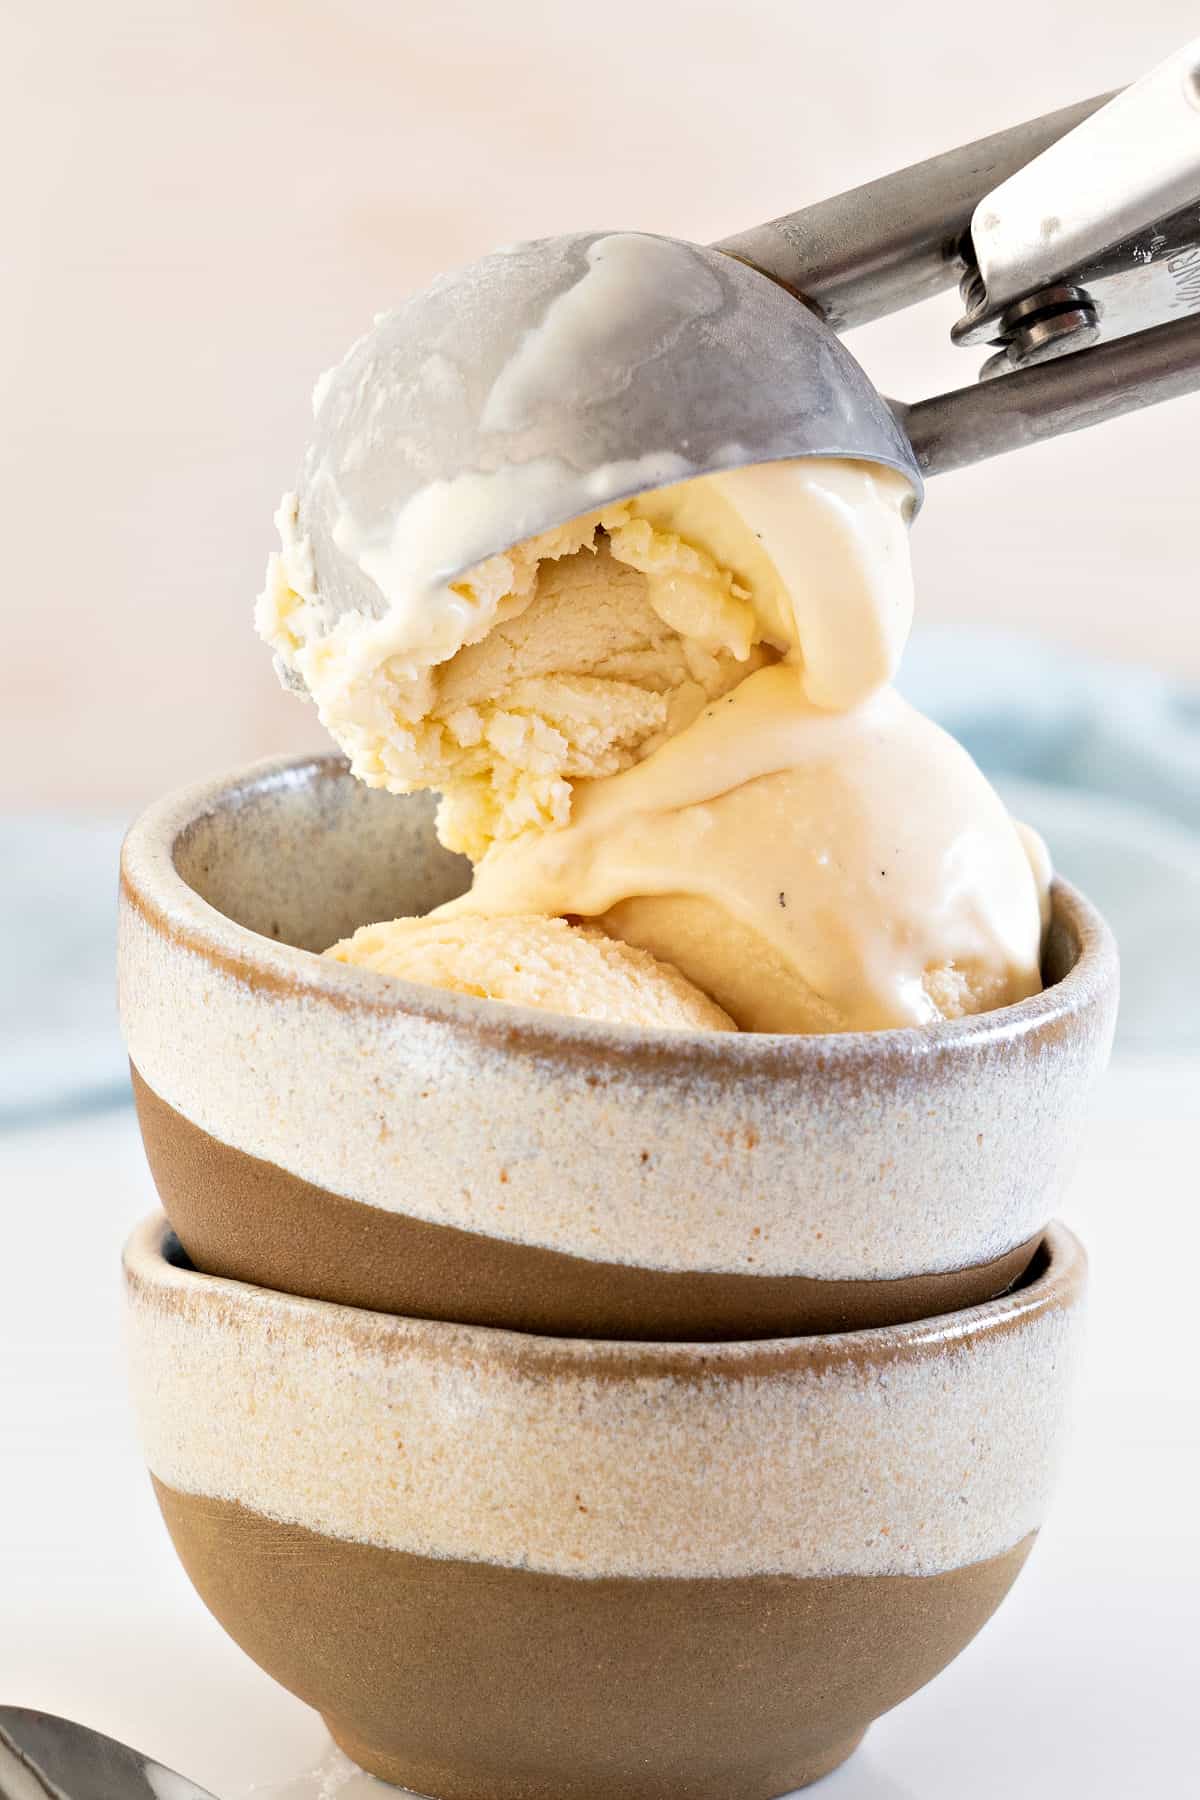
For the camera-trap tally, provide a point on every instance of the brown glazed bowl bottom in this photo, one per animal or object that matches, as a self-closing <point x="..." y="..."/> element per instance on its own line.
<point x="487" y="1683"/>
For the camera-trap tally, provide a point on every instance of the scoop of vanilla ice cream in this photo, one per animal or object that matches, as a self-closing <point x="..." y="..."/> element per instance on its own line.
<point x="674" y="717"/>
<point x="810" y="870"/>
<point x="575" y="654"/>
<point x="583" y="681"/>
<point x="536" y="961"/>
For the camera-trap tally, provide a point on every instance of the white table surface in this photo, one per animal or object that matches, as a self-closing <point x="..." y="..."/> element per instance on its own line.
<point x="1083" y="1685"/>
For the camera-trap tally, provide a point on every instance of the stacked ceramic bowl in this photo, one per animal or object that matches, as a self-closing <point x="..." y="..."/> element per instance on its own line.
<point x="573" y="1412"/>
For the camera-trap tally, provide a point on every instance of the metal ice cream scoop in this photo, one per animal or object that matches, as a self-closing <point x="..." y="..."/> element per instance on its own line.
<point x="551" y="379"/>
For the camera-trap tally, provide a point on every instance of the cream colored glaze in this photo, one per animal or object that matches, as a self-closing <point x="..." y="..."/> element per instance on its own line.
<point x="905" y="1451"/>
<point x="844" y="1158"/>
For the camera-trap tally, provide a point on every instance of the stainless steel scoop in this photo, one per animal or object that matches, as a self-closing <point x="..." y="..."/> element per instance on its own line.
<point x="548" y="380"/>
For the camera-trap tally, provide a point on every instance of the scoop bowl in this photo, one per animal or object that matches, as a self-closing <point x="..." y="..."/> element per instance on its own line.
<point x="548" y="380"/>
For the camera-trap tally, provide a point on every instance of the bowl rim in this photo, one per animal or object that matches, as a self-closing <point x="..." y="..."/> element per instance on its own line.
<point x="152" y="886"/>
<point x="150" y="1274"/>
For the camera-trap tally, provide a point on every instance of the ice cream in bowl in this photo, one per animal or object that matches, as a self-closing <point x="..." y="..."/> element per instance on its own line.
<point x="319" y="1128"/>
<point x="719" y="997"/>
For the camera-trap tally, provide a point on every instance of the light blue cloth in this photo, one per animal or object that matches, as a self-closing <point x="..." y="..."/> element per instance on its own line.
<point x="59" y="1043"/>
<point x="1104" y="761"/>
<point x="1024" y="708"/>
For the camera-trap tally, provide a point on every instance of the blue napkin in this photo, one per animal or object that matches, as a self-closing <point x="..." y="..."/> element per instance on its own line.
<point x="1103" y="760"/>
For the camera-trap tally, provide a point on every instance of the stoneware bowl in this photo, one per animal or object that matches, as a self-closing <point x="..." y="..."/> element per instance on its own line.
<point x="516" y="1568"/>
<point x="332" y="1132"/>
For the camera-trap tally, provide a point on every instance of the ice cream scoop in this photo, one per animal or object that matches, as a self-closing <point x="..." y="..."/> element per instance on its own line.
<point x="560" y="375"/>
<point x="605" y="539"/>
<point x="576" y="653"/>
<point x="536" y="961"/>
<point x="811" y="870"/>
<point x="540" y="384"/>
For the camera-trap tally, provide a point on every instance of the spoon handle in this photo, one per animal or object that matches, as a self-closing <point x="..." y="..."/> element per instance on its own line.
<point x="43" y="1757"/>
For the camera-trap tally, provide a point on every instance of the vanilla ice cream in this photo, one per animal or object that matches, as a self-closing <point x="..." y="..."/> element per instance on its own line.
<point x="811" y="870"/>
<point x="538" y="961"/>
<point x="674" y="716"/>
<point x="576" y="654"/>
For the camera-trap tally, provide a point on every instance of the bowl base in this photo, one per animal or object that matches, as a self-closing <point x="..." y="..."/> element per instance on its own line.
<point x="424" y="1782"/>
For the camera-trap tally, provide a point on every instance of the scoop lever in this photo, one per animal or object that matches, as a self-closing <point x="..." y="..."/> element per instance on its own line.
<point x="1074" y="238"/>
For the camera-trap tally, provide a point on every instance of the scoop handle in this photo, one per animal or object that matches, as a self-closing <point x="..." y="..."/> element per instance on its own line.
<point x="951" y="431"/>
<point x="884" y="246"/>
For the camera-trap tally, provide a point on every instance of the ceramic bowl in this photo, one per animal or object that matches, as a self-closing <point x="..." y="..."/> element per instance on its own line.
<point x="516" y="1568"/>
<point x="332" y="1132"/>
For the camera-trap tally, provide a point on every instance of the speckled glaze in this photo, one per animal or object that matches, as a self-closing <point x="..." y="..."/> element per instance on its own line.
<point x="325" y="1130"/>
<point x="640" y="1572"/>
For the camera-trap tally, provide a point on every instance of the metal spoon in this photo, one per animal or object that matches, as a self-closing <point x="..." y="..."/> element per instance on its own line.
<point x="47" y="1758"/>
